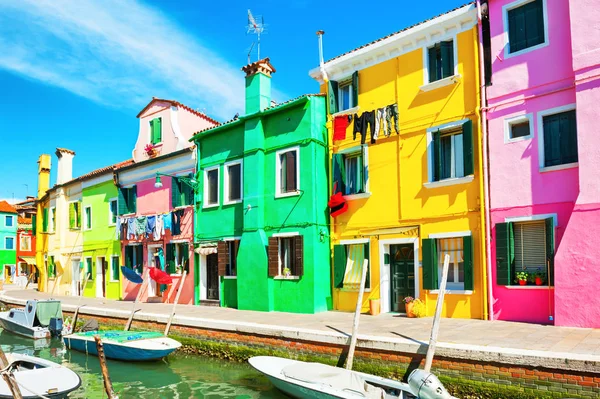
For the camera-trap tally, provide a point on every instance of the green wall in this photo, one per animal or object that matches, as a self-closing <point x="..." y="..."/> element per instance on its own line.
<point x="7" y="256"/>
<point x="101" y="239"/>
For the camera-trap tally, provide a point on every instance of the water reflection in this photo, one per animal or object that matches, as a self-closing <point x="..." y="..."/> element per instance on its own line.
<point x="179" y="376"/>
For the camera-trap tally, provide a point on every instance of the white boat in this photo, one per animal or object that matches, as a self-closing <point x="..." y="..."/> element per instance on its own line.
<point x="37" y="377"/>
<point x="38" y="320"/>
<point x="315" y="380"/>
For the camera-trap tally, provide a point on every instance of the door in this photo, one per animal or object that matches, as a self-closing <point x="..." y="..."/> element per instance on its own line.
<point x="402" y="267"/>
<point x="76" y="283"/>
<point x="100" y="276"/>
<point x="212" y="277"/>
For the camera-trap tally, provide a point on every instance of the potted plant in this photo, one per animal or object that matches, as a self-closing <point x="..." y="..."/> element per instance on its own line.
<point x="539" y="278"/>
<point x="150" y="150"/>
<point x="286" y="272"/>
<point x="419" y="309"/>
<point x="522" y="278"/>
<point x="409" y="304"/>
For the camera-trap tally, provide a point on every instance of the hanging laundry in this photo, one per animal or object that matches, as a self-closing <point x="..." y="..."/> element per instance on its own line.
<point x="140" y="225"/>
<point x="340" y="124"/>
<point x="166" y="221"/>
<point x="176" y="227"/>
<point x="159" y="230"/>
<point x="150" y="226"/>
<point x="360" y="126"/>
<point x="380" y="122"/>
<point x="118" y="228"/>
<point x="392" y="112"/>
<point x="130" y="228"/>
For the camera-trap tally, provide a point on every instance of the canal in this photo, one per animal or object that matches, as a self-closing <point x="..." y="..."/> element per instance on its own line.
<point x="179" y="376"/>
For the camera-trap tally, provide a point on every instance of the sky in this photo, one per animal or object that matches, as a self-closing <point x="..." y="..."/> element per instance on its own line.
<point x="75" y="74"/>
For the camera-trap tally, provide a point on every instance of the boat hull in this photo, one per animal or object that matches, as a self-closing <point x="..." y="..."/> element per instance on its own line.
<point x="24" y="331"/>
<point x="118" y="351"/>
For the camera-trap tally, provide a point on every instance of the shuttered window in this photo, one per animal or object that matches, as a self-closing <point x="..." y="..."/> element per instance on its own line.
<point x="177" y="258"/>
<point x="114" y="268"/>
<point x="287" y="171"/>
<point x="348" y="261"/>
<point x="530" y="245"/>
<point x="156" y="130"/>
<point x="342" y="95"/>
<point x="453" y="152"/>
<point x="350" y="172"/>
<point x="113" y="211"/>
<point x="286" y="256"/>
<point x="127" y="200"/>
<point x="460" y="268"/>
<point x="441" y="60"/>
<point x="134" y="258"/>
<point x="89" y="269"/>
<point x="526" y="26"/>
<point x="560" y="139"/>
<point x="45" y="220"/>
<point x="182" y="194"/>
<point x="75" y="215"/>
<point x="34" y="224"/>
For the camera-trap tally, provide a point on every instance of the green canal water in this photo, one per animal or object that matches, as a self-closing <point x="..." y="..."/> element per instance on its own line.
<point x="179" y="376"/>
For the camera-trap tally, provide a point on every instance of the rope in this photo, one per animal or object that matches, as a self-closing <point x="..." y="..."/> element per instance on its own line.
<point x="39" y="395"/>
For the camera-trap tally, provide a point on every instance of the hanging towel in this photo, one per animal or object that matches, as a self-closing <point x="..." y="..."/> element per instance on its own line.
<point x="150" y="226"/>
<point x="177" y="216"/>
<point x="340" y="124"/>
<point x="166" y="222"/>
<point x="140" y="225"/>
<point x="118" y="228"/>
<point x="159" y="231"/>
<point x="130" y="228"/>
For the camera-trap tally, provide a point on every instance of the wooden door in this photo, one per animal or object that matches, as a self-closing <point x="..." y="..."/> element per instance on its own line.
<point x="402" y="267"/>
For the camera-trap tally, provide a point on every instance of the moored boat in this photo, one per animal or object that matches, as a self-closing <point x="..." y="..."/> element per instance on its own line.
<point x="38" y="320"/>
<point x="36" y="376"/>
<point x="124" y="345"/>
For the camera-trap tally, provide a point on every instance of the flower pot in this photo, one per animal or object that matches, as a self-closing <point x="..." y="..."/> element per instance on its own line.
<point x="409" y="309"/>
<point x="522" y="282"/>
<point x="374" y="306"/>
<point x="538" y="281"/>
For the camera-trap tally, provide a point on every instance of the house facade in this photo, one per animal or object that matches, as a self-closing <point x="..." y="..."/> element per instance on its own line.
<point x="155" y="200"/>
<point x="406" y="178"/>
<point x="8" y="241"/>
<point x="262" y="236"/>
<point x="25" y="249"/>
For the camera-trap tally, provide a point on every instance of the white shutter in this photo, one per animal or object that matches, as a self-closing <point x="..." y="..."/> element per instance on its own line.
<point x="530" y="245"/>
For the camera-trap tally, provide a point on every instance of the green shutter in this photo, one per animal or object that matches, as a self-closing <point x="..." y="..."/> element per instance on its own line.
<point x="447" y="49"/>
<point x="185" y="247"/>
<point x="71" y="215"/>
<point x="129" y="256"/>
<point x="437" y="156"/>
<point x="78" y="213"/>
<point x="45" y="220"/>
<point x="430" y="264"/>
<point x="550" y="249"/>
<point x="139" y="267"/>
<point x="354" y="89"/>
<point x="364" y="175"/>
<point x="122" y="201"/>
<point x="432" y="64"/>
<point x="175" y="193"/>
<point x="339" y="174"/>
<point x="188" y="192"/>
<point x="339" y="265"/>
<point x="332" y="96"/>
<point x="152" y="132"/>
<point x="504" y="253"/>
<point x="158" y="128"/>
<point x="468" y="162"/>
<point x="132" y="203"/>
<point x="368" y="279"/>
<point x="170" y="258"/>
<point x="516" y="33"/>
<point x="33" y="224"/>
<point x="468" y="262"/>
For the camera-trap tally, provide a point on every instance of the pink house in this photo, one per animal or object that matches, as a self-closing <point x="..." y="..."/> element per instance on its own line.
<point x="541" y="71"/>
<point x="158" y="190"/>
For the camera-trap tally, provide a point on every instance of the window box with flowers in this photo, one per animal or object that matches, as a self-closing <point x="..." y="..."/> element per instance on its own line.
<point x="150" y="150"/>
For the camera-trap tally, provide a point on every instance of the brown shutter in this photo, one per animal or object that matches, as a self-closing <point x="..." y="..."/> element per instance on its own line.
<point x="299" y="261"/>
<point x="222" y="257"/>
<point x="273" y="253"/>
<point x="291" y="183"/>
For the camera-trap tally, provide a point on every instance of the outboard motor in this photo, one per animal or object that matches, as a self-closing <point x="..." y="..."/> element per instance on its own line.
<point x="427" y="386"/>
<point x="55" y="326"/>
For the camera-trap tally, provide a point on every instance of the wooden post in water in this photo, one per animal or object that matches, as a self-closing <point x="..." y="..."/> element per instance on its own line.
<point x="29" y="279"/>
<point x="107" y="383"/>
<point x="175" y="303"/>
<point x="9" y="377"/>
<point x="85" y="279"/>
<point x="363" y="279"/>
<point x="438" y="313"/>
<point x="137" y="297"/>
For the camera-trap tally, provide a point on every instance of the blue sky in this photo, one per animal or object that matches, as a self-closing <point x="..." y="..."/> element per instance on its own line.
<point x="75" y="74"/>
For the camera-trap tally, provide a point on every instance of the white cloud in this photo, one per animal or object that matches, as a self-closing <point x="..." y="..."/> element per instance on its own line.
<point x="116" y="52"/>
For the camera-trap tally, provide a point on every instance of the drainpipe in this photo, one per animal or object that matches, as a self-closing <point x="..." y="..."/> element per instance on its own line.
<point x="486" y="204"/>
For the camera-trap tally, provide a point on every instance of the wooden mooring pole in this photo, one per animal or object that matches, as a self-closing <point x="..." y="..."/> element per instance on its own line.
<point x="354" y="338"/>
<point x="76" y="315"/>
<point x="107" y="383"/>
<point x="175" y="303"/>
<point x="438" y="314"/>
<point x="137" y="297"/>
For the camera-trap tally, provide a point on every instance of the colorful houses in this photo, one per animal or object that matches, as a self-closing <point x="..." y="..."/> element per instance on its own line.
<point x="261" y="225"/>
<point x="408" y="165"/>
<point x="8" y="241"/>
<point x="26" y="267"/>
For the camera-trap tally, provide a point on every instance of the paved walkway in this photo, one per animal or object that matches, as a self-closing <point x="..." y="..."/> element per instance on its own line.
<point x="505" y="342"/>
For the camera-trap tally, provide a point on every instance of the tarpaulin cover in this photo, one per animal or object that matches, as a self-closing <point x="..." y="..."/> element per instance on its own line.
<point x="131" y="275"/>
<point x="159" y="276"/>
<point x="45" y="310"/>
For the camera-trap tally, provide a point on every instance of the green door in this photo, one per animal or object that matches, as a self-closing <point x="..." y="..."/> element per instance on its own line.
<point x="402" y="266"/>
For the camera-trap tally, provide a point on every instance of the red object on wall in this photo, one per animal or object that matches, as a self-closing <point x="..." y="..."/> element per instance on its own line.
<point x="159" y="276"/>
<point x="340" y="124"/>
<point x="337" y="204"/>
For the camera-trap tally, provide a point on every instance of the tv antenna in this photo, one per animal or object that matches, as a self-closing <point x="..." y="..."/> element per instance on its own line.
<point x="257" y="26"/>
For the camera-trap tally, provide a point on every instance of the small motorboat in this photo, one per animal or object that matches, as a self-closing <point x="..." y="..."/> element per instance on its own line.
<point x="38" y="320"/>
<point x="315" y="380"/>
<point x="37" y="377"/>
<point x="124" y="345"/>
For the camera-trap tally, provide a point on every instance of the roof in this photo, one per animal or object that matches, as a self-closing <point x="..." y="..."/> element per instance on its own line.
<point x="22" y="220"/>
<point x="263" y="66"/>
<point x="105" y="169"/>
<point x="5" y="207"/>
<point x="178" y="104"/>
<point x="61" y="150"/>
<point x="132" y="164"/>
<point x="400" y="31"/>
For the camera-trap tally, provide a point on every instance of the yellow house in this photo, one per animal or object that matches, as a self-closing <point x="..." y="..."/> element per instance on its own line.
<point x="40" y="220"/>
<point x="413" y="185"/>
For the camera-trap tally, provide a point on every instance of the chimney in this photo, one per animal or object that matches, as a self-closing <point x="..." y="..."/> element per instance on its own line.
<point x="258" y="85"/>
<point x="43" y="174"/>
<point x="65" y="165"/>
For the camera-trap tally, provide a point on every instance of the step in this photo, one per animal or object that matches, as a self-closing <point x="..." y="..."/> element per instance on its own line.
<point x="154" y="299"/>
<point x="210" y="302"/>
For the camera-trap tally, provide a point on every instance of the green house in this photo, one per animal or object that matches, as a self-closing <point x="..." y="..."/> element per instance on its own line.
<point x="8" y="240"/>
<point x="261" y="228"/>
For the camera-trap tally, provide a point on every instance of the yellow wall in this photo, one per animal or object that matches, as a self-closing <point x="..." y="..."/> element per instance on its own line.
<point x="398" y="168"/>
<point x="41" y="239"/>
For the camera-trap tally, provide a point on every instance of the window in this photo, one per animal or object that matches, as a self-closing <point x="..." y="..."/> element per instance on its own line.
<point x="9" y="221"/>
<point x="178" y="258"/>
<point x="9" y="243"/>
<point x="156" y="130"/>
<point x="182" y="194"/>
<point x="560" y="139"/>
<point x="452" y="151"/>
<point x="286" y="256"/>
<point x="350" y="171"/>
<point x="45" y="220"/>
<point x="348" y="261"/>
<point x="459" y="248"/>
<point x="343" y="95"/>
<point x="114" y="268"/>
<point x="518" y="128"/>
<point x="227" y="257"/>
<point x="127" y="202"/>
<point x="52" y="219"/>
<point x="526" y="25"/>
<point x="88" y="218"/>
<point x="134" y="258"/>
<point x="440" y="61"/>
<point x="288" y="173"/>
<point x="113" y="212"/>
<point x="51" y="267"/>
<point x="233" y="182"/>
<point x="75" y="215"/>
<point x="89" y="269"/>
<point x="25" y="243"/>
<point x="525" y="246"/>
<point x="211" y="187"/>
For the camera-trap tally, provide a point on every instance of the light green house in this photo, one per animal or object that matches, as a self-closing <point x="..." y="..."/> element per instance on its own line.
<point x="8" y="240"/>
<point x="101" y="246"/>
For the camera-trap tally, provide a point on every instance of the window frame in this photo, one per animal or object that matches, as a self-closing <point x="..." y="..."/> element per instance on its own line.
<point x="85" y="221"/>
<point x="110" y="213"/>
<point x="427" y="85"/>
<point x="12" y="220"/>
<point x="505" y="28"/>
<point x="278" y="193"/>
<point x="25" y="238"/>
<point x="357" y="241"/>
<point x="364" y="150"/>
<point x="111" y="279"/>
<point x="150" y="132"/>
<point x="449" y="287"/>
<point x="514" y="120"/>
<point x="205" y="195"/>
<point x="291" y="236"/>
<point x="540" y="129"/>
<point x="51" y="228"/>
<point x="91" y="271"/>
<point x="75" y="227"/>
<point x="226" y="165"/>
<point x="341" y="85"/>
<point x="14" y="244"/>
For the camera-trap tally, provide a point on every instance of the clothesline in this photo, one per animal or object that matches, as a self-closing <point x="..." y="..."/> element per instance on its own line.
<point x="378" y="120"/>
<point x="149" y="225"/>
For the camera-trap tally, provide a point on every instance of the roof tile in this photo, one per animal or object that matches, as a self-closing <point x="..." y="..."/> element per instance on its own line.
<point x="5" y="207"/>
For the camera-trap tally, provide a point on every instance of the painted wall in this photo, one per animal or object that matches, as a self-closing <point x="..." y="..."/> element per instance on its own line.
<point x="7" y="256"/>
<point x="24" y="234"/>
<point x="100" y="240"/>
<point x="398" y="171"/>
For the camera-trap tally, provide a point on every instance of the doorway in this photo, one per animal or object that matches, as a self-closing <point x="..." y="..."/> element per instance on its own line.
<point x="76" y="282"/>
<point x="154" y="261"/>
<point x="212" y="277"/>
<point x="100" y="277"/>
<point x="402" y="270"/>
